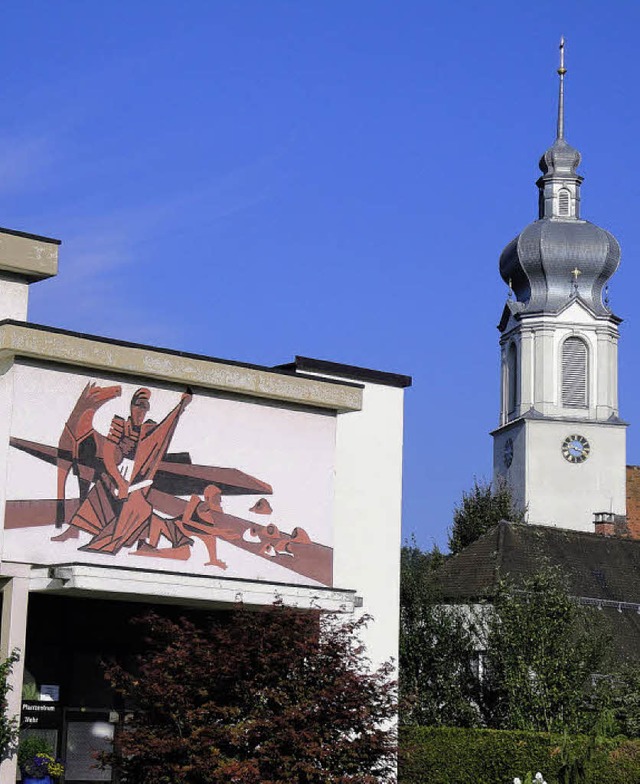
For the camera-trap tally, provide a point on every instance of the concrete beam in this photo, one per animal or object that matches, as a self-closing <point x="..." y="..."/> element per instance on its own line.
<point x="99" y="354"/>
<point x="146" y="585"/>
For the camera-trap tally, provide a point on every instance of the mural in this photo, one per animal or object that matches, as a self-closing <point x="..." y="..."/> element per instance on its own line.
<point x="136" y="497"/>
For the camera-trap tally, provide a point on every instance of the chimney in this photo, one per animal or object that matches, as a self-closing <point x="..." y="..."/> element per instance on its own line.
<point x="605" y="523"/>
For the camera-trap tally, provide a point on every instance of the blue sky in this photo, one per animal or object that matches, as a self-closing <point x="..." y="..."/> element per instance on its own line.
<point x="337" y="178"/>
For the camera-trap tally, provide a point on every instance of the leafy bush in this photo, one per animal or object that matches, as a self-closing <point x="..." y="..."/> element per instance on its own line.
<point x="542" y="649"/>
<point x="436" y="755"/>
<point x="280" y="695"/>
<point x="438" y="681"/>
<point x="9" y="725"/>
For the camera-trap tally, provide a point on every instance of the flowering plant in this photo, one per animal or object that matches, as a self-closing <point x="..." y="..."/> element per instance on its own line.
<point x="529" y="779"/>
<point x="41" y="765"/>
<point x="35" y="759"/>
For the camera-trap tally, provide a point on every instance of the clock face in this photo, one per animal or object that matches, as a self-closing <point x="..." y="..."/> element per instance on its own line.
<point x="575" y="449"/>
<point x="507" y="454"/>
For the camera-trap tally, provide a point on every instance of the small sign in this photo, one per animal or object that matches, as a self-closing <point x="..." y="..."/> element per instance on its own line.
<point x="50" y="692"/>
<point x="40" y="715"/>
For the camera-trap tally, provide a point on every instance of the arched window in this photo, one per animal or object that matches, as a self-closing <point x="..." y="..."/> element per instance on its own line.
<point x="512" y="378"/>
<point x="574" y="373"/>
<point x="563" y="201"/>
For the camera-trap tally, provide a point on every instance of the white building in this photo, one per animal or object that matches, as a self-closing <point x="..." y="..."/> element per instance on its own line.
<point x="135" y="475"/>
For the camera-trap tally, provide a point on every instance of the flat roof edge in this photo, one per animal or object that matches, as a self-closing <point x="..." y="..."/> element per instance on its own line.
<point x="27" y="235"/>
<point x="38" y="342"/>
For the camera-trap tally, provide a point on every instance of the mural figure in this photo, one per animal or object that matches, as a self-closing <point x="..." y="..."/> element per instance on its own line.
<point x="79" y="442"/>
<point x="132" y="491"/>
<point x="200" y="518"/>
<point x="116" y="510"/>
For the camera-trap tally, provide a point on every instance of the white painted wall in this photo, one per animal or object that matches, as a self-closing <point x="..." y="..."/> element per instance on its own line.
<point x="515" y="474"/>
<point x="368" y="497"/>
<point x="554" y="491"/>
<point x="14" y="298"/>
<point x="568" y="494"/>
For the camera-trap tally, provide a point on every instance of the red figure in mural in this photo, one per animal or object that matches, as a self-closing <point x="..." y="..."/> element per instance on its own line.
<point x="199" y="519"/>
<point x="79" y="442"/>
<point x="116" y="510"/>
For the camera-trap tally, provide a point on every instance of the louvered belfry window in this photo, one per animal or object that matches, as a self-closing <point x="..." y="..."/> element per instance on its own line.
<point x="574" y="373"/>
<point x="512" y="378"/>
<point x="563" y="202"/>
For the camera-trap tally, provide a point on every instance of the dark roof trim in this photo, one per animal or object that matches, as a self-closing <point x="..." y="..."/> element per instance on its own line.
<point x="29" y="236"/>
<point x="348" y="371"/>
<point x="279" y="370"/>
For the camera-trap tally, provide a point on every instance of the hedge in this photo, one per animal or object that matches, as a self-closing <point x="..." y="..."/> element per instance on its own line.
<point x="444" y="755"/>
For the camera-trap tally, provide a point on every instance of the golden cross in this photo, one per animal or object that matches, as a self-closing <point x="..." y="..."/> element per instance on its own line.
<point x="575" y="272"/>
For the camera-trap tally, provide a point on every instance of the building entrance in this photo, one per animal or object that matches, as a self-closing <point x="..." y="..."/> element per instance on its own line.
<point x="66" y="699"/>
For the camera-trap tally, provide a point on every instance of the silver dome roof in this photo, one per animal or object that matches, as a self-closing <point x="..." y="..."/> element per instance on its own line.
<point x="539" y="264"/>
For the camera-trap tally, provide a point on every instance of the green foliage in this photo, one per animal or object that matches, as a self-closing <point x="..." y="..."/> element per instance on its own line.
<point x="524" y="663"/>
<point x="278" y="695"/>
<point x="459" y="756"/>
<point x="542" y="651"/>
<point x="30" y="691"/>
<point x="622" y="692"/>
<point x="480" y="509"/>
<point x="30" y="746"/>
<point x="9" y="725"/>
<point x="438" y="684"/>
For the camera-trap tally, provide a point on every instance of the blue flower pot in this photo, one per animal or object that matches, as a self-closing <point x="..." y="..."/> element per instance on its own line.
<point x="34" y="780"/>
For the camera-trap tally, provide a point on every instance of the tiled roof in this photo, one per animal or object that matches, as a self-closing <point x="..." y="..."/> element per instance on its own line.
<point x="595" y="566"/>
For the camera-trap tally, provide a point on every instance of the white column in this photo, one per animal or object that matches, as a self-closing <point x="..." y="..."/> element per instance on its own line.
<point x="545" y="397"/>
<point x="15" y="599"/>
<point x="607" y="373"/>
<point x="527" y="378"/>
<point x="503" y="385"/>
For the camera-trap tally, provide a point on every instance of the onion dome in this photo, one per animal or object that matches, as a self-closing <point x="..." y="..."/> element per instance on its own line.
<point x="559" y="256"/>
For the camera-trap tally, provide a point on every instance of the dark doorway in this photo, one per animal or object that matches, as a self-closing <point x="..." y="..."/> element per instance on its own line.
<point x="67" y="639"/>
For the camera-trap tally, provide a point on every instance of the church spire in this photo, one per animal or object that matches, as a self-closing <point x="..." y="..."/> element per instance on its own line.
<point x="560" y="182"/>
<point x="559" y="255"/>
<point x="561" y="72"/>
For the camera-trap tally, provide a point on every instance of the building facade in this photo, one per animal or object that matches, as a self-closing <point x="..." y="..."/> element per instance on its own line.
<point x="561" y="444"/>
<point x="135" y="476"/>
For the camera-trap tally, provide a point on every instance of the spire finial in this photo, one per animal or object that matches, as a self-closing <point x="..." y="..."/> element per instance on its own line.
<point x="561" y="72"/>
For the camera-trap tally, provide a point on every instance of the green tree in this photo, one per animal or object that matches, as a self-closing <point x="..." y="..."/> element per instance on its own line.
<point x="542" y="650"/>
<point x="438" y="683"/>
<point x="480" y="509"/>
<point x="260" y="697"/>
<point x="621" y="693"/>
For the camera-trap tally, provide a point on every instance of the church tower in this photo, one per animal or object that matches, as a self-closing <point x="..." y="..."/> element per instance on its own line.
<point x="561" y="445"/>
